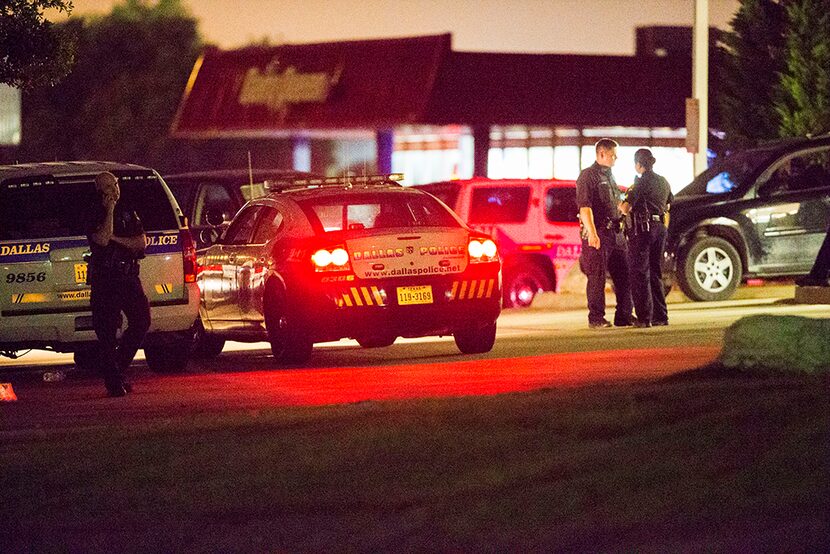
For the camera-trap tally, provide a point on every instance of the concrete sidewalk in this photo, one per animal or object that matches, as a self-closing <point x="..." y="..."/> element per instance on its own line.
<point x="572" y="297"/>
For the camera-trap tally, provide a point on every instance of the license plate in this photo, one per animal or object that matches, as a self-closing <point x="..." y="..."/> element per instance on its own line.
<point x="415" y="295"/>
<point x="80" y="273"/>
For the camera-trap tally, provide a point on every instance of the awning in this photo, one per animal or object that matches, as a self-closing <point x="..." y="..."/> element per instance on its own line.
<point x="266" y="91"/>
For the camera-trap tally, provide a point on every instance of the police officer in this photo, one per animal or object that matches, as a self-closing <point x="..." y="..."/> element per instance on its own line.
<point x="116" y="242"/>
<point x="647" y="202"/>
<point x="604" y="248"/>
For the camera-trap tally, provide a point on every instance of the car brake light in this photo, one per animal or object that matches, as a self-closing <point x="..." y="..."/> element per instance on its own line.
<point x="188" y="256"/>
<point x="482" y="250"/>
<point x="335" y="259"/>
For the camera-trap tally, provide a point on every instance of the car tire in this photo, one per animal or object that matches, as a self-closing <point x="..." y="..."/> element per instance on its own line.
<point x="522" y="284"/>
<point x="205" y="346"/>
<point x="169" y="352"/>
<point x="477" y="339"/>
<point x="709" y="269"/>
<point x="87" y="360"/>
<point x="291" y="344"/>
<point x="377" y="341"/>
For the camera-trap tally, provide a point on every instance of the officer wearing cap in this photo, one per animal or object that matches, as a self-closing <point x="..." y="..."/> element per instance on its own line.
<point x="604" y="248"/>
<point x="647" y="202"/>
<point x="116" y="243"/>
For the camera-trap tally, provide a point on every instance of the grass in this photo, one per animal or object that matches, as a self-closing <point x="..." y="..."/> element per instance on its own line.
<point x="705" y="462"/>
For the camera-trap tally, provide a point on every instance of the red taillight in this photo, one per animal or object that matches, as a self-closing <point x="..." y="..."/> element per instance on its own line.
<point x="188" y="255"/>
<point x="331" y="259"/>
<point x="482" y="250"/>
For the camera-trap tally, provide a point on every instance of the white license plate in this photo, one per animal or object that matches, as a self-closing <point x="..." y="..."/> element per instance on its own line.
<point x="415" y="295"/>
<point x="80" y="273"/>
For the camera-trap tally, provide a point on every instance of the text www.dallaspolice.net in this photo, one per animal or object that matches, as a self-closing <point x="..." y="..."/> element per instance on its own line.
<point x="407" y="271"/>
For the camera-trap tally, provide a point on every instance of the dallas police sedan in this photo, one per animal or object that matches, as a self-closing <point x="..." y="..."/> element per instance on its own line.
<point x="355" y="257"/>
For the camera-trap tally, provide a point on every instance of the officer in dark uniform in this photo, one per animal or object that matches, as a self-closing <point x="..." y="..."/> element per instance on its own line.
<point x="604" y="248"/>
<point x="647" y="202"/>
<point x="116" y="242"/>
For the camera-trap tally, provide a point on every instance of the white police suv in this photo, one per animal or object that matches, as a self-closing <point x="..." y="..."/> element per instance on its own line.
<point x="44" y="298"/>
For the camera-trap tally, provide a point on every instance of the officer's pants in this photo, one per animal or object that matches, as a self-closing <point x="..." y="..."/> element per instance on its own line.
<point x="110" y="297"/>
<point x="645" y="258"/>
<point x="610" y="259"/>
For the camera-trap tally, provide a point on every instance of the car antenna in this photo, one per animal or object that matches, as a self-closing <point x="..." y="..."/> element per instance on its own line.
<point x="250" y="170"/>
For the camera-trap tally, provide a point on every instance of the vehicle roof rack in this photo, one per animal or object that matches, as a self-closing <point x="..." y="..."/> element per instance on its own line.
<point x="343" y="182"/>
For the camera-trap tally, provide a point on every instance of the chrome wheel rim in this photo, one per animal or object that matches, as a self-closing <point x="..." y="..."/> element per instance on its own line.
<point x="713" y="269"/>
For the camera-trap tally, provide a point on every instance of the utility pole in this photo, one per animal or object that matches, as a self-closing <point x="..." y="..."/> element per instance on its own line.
<point x="700" y="87"/>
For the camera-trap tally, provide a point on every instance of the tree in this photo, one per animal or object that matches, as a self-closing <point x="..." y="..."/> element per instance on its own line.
<point x="33" y="51"/>
<point x="121" y="97"/>
<point x="752" y="58"/>
<point x="803" y="98"/>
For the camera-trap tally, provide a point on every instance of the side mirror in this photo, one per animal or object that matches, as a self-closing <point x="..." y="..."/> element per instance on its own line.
<point x="214" y="216"/>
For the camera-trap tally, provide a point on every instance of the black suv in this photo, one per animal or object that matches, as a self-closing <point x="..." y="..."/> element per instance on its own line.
<point x="218" y="194"/>
<point x="761" y="212"/>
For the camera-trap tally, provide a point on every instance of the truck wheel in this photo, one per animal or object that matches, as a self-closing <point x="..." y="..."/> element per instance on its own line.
<point x="290" y="343"/>
<point x="205" y="346"/>
<point x="709" y="269"/>
<point x="523" y="284"/>
<point x="169" y="352"/>
<point x="476" y="340"/>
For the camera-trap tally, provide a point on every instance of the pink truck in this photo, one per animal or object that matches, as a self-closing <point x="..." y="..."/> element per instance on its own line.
<point x="535" y="224"/>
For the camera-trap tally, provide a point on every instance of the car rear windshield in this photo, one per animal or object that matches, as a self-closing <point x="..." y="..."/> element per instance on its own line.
<point x="445" y="192"/>
<point x="376" y="211"/>
<point x="48" y="208"/>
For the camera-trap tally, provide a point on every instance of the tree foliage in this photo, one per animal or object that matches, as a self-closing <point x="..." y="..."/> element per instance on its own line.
<point x="752" y="58"/>
<point x="120" y="99"/>
<point x="33" y="51"/>
<point x="803" y="100"/>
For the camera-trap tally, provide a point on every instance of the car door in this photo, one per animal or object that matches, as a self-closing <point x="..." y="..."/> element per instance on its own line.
<point x="792" y="218"/>
<point x="560" y="228"/>
<point x="220" y="289"/>
<point x="251" y="262"/>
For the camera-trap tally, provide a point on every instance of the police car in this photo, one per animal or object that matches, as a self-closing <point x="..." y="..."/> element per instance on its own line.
<point x="352" y="257"/>
<point x="44" y="298"/>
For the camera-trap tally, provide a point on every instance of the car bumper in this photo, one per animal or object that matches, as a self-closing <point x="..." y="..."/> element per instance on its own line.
<point x="64" y="331"/>
<point x="363" y="308"/>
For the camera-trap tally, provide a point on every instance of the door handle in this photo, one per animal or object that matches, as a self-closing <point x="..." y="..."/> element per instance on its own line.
<point x="555" y="237"/>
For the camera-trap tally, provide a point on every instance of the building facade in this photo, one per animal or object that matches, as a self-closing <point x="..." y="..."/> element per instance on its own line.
<point x="416" y="106"/>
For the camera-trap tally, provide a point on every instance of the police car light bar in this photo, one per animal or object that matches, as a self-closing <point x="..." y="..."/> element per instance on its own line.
<point x="343" y="181"/>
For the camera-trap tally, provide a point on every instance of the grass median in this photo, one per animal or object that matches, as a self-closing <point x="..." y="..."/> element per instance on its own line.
<point x="696" y="462"/>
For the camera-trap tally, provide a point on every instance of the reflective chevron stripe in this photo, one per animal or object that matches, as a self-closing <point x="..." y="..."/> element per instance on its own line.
<point x="361" y="296"/>
<point x="472" y="289"/>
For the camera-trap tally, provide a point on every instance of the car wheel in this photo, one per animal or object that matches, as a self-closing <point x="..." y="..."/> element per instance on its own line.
<point x="710" y="269"/>
<point x="476" y="340"/>
<point x="87" y="359"/>
<point x="205" y="346"/>
<point x="522" y="284"/>
<point x="290" y="342"/>
<point x="377" y="341"/>
<point x="168" y="352"/>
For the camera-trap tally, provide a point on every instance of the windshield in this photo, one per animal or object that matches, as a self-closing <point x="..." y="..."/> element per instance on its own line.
<point x="377" y="211"/>
<point x="728" y="174"/>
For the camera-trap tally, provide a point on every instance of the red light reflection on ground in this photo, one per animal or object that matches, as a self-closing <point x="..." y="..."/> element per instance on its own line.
<point x="320" y="386"/>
